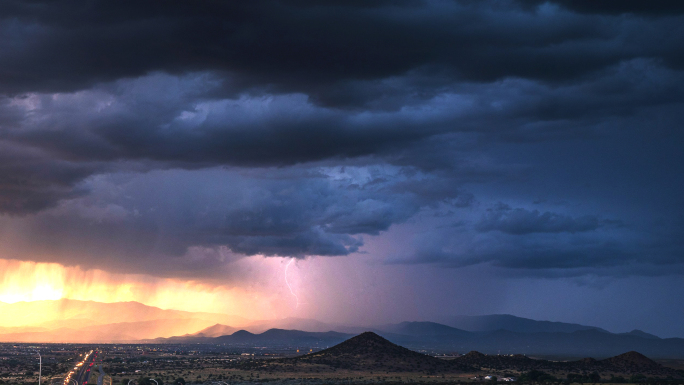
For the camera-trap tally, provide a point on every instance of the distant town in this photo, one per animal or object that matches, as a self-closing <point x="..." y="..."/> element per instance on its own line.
<point x="366" y="358"/>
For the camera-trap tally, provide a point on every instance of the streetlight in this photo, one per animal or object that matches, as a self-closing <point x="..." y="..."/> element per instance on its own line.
<point x="40" y="366"/>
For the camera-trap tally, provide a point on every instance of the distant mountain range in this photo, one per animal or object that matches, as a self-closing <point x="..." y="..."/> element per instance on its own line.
<point x="74" y="313"/>
<point x="422" y="329"/>
<point x="115" y="332"/>
<point x="292" y="323"/>
<point x="89" y="322"/>
<point x="283" y="337"/>
<point x="66" y="320"/>
<point x="437" y="337"/>
<point x="271" y="337"/>
<point x="215" y="331"/>
<point x="555" y="339"/>
<point x="485" y="323"/>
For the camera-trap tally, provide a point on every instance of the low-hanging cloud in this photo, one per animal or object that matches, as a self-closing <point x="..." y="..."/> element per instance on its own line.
<point x="135" y="220"/>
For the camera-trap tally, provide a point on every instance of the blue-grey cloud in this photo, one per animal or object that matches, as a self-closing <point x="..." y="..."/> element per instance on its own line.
<point x="63" y="47"/>
<point x="521" y="221"/>
<point x="137" y="219"/>
<point x="616" y="6"/>
<point x="329" y="124"/>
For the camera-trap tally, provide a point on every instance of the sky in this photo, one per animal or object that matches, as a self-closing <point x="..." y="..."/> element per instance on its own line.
<point x="356" y="162"/>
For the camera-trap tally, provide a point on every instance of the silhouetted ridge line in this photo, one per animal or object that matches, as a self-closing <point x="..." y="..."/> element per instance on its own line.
<point x="365" y="352"/>
<point x="627" y="363"/>
<point x="369" y="352"/>
<point x="632" y="359"/>
<point x="367" y="343"/>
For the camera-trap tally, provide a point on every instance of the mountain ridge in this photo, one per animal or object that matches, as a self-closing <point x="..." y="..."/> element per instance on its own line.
<point x="577" y="344"/>
<point x="21" y="313"/>
<point x="136" y="322"/>
<point x="492" y="322"/>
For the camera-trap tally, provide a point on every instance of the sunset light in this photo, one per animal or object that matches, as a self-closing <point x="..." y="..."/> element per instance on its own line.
<point x="31" y="281"/>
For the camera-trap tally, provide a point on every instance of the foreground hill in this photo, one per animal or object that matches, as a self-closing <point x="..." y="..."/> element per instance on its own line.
<point x="629" y="363"/>
<point x="634" y="362"/>
<point x="366" y="352"/>
<point x="370" y="353"/>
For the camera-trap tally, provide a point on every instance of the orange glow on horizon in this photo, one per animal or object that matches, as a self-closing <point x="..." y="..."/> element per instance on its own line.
<point x="26" y="281"/>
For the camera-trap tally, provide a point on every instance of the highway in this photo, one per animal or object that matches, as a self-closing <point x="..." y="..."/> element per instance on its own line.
<point x="80" y="374"/>
<point x="102" y="374"/>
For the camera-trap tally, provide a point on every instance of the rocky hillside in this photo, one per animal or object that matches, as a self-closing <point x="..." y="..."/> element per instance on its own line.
<point x="625" y="364"/>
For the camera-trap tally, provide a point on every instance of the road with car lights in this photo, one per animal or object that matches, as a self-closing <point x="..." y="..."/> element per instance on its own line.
<point x="80" y="374"/>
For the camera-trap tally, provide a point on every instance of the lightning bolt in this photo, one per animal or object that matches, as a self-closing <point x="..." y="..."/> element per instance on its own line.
<point x="287" y="267"/>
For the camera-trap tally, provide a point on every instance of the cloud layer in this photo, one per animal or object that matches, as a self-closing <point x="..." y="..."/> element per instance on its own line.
<point x="534" y="136"/>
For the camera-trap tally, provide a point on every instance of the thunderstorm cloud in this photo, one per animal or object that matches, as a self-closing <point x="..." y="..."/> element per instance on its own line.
<point x="539" y="137"/>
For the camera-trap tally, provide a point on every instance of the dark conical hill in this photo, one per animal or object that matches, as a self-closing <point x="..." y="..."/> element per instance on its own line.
<point x="367" y="345"/>
<point x="632" y="360"/>
<point x="369" y="351"/>
<point x="366" y="352"/>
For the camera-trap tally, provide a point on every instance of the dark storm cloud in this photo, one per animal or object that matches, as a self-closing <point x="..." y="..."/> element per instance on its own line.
<point x="136" y="219"/>
<point x="616" y="7"/>
<point x="520" y="221"/>
<point x="167" y="119"/>
<point x="537" y="257"/>
<point x="607" y="253"/>
<point x="337" y="121"/>
<point x="296" y="46"/>
<point x="31" y="181"/>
